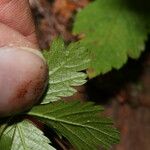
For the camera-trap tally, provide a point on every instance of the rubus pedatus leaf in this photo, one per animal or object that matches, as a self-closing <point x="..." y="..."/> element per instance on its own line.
<point x="64" y="66"/>
<point x="79" y="123"/>
<point x="6" y="141"/>
<point x="23" y="136"/>
<point x="113" y="30"/>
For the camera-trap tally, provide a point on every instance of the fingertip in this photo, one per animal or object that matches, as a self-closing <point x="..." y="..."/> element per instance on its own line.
<point x="23" y="79"/>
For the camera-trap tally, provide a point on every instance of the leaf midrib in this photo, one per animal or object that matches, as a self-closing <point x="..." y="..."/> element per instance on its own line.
<point x="68" y="122"/>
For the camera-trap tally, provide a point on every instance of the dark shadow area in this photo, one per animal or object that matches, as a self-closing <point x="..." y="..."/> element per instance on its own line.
<point x="140" y="6"/>
<point x="104" y="87"/>
<point x="57" y="142"/>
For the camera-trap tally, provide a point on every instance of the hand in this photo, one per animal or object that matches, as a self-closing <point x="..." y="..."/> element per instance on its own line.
<point x="16" y="24"/>
<point x="23" y="72"/>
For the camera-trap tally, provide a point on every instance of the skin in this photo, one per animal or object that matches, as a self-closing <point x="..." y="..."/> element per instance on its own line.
<point x="23" y="71"/>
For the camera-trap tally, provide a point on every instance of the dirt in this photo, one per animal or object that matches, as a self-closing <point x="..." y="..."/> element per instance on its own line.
<point x="125" y="93"/>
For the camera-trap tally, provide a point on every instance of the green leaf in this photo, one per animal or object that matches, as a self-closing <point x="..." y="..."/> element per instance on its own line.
<point x="23" y="136"/>
<point x="113" y="30"/>
<point x="64" y="66"/>
<point x="79" y="123"/>
<point x="6" y="141"/>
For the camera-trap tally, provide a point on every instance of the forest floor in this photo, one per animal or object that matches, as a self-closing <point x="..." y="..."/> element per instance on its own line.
<point x="125" y="93"/>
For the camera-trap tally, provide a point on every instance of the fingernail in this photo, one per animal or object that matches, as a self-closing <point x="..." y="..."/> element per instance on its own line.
<point x="34" y="51"/>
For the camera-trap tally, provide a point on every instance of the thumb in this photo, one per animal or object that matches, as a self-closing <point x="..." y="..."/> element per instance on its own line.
<point x="23" y="72"/>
